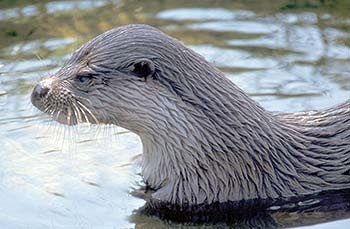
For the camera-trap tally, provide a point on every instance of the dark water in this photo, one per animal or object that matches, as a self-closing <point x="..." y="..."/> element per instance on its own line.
<point x="288" y="55"/>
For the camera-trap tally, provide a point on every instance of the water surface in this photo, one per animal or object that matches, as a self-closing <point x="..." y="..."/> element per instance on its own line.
<point x="288" y="55"/>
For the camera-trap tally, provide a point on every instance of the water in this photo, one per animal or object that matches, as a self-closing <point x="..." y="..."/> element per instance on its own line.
<point x="287" y="56"/>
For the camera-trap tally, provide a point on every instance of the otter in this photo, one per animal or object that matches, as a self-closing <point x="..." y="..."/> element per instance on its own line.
<point x="205" y="141"/>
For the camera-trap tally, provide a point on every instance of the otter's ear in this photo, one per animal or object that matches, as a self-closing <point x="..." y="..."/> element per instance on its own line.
<point x="143" y="68"/>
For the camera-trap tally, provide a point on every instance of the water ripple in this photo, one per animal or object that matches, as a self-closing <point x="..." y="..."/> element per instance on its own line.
<point x="203" y="14"/>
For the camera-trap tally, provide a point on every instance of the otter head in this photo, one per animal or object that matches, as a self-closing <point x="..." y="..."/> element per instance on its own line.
<point x="116" y="78"/>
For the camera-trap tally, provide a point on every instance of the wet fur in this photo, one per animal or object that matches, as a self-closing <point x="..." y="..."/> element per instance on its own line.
<point x="204" y="140"/>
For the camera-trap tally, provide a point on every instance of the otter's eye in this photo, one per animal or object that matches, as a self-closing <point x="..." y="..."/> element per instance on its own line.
<point x="84" y="77"/>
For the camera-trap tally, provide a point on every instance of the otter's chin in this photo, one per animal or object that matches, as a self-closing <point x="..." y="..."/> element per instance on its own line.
<point x="71" y="119"/>
<point x="65" y="120"/>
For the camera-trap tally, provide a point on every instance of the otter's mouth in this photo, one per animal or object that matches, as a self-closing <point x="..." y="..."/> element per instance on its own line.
<point x="62" y="116"/>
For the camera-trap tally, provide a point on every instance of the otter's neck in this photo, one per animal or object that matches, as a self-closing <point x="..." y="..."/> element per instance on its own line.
<point x="239" y="151"/>
<point x="215" y="144"/>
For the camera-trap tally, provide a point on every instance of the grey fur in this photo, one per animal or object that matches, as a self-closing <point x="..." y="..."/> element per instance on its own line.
<point x="204" y="140"/>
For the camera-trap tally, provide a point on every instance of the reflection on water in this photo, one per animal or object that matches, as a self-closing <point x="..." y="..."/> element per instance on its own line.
<point x="289" y="57"/>
<point x="51" y="8"/>
<point x="204" y="14"/>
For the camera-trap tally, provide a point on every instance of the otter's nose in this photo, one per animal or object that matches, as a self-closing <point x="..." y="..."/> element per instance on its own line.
<point x="39" y="92"/>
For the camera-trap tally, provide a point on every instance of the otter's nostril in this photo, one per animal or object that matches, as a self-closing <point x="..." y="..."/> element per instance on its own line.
<point x="40" y="91"/>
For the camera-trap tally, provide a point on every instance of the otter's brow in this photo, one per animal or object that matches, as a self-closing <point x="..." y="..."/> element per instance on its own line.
<point x="101" y="70"/>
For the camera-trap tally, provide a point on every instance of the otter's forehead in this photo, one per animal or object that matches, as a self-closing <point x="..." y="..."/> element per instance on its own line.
<point x="121" y="45"/>
<point x="129" y="36"/>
